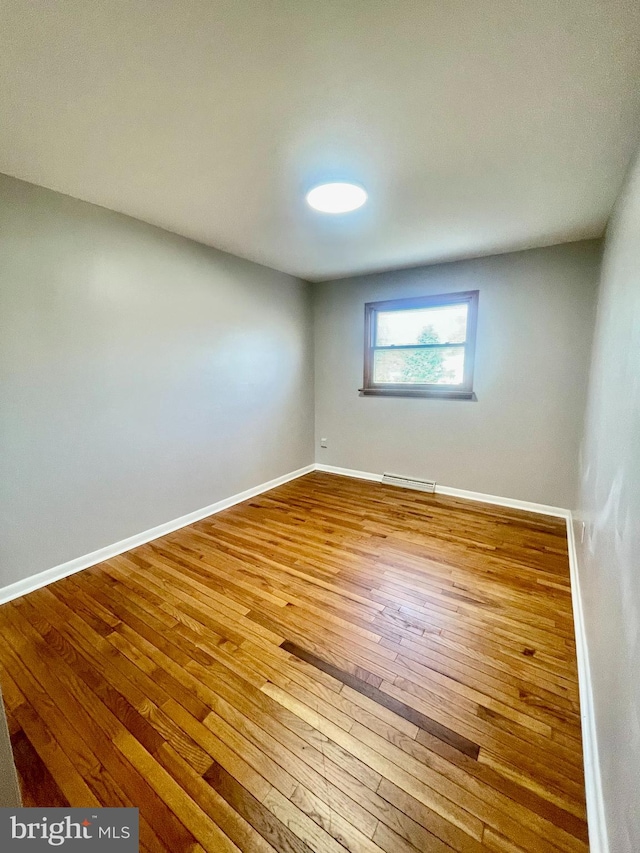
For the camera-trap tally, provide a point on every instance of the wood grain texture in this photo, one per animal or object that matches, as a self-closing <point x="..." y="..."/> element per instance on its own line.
<point x="399" y="708"/>
<point x="333" y="665"/>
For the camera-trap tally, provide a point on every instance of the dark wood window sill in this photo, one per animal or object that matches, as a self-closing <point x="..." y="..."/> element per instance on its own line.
<point x="415" y="392"/>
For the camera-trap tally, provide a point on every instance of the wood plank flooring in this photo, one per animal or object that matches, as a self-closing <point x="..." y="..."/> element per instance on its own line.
<point x="333" y="665"/>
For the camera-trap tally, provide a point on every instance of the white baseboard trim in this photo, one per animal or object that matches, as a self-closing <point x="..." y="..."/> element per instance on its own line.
<point x="598" y="837"/>
<point x="528" y="506"/>
<point x="348" y="472"/>
<point x="22" y="587"/>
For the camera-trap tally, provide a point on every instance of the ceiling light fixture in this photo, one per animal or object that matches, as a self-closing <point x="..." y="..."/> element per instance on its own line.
<point x="336" y="197"/>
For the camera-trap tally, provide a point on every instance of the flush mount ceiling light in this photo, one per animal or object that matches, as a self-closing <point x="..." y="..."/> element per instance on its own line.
<point x="336" y="197"/>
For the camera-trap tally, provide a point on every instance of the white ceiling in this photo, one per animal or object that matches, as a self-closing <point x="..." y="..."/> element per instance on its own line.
<point x="477" y="126"/>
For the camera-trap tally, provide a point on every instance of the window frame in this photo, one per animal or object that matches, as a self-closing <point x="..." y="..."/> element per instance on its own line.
<point x="463" y="391"/>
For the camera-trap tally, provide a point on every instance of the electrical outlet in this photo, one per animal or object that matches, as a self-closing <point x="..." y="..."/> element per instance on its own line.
<point x="324" y="442"/>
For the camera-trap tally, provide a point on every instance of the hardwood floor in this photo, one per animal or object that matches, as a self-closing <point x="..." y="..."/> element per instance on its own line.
<point x="334" y="664"/>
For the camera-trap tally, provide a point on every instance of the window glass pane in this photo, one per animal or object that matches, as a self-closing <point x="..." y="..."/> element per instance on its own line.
<point x="445" y="324"/>
<point x="439" y="366"/>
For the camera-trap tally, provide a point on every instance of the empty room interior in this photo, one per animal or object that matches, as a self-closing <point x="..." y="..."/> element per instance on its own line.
<point x="320" y="426"/>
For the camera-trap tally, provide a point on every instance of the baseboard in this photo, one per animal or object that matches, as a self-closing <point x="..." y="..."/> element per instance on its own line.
<point x="528" y="506"/>
<point x="348" y="472"/>
<point x="22" y="587"/>
<point x="513" y="503"/>
<point x="598" y="838"/>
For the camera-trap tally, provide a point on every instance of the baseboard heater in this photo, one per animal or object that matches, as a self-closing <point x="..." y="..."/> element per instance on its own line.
<point x="409" y="482"/>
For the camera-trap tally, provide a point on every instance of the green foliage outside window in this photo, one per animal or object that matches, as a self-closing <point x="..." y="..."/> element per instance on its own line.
<point x="426" y="365"/>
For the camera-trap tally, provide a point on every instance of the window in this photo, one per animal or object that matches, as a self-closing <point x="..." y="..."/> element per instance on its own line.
<point x="421" y="347"/>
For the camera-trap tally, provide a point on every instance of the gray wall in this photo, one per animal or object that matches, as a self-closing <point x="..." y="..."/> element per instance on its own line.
<point x="142" y="377"/>
<point x="520" y="439"/>
<point x="609" y="504"/>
